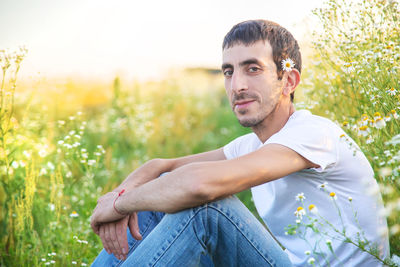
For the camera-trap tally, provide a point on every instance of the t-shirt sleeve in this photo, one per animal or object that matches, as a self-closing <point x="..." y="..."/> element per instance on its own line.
<point x="316" y="143"/>
<point x="240" y="146"/>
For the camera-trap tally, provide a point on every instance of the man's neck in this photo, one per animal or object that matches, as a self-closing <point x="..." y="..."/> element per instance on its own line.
<point x="274" y="122"/>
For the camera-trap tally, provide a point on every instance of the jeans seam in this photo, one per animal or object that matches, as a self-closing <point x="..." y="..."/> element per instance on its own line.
<point x="240" y="230"/>
<point x="180" y="232"/>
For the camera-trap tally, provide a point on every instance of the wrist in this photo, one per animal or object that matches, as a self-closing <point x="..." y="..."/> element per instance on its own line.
<point x="116" y="204"/>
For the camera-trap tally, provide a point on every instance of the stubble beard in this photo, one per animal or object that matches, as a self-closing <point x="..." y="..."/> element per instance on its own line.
<point x="251" y="122"/>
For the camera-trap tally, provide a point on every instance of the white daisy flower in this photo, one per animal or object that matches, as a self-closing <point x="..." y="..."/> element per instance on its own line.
<point x="287" y="64"/>
<point x="74" y="214"/>
<point x="394" y="114"/>
<point x="311" y="261"/>
<point x="313" y="209"/>
<point x="300" y="197"/>
<point x="300" y="212"/>
<point x="391" y="91"/>
<point x="380" y="123"/>
<point x="323" y="186"/>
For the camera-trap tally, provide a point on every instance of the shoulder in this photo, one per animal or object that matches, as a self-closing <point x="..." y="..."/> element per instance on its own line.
<point x="242" y="145"/>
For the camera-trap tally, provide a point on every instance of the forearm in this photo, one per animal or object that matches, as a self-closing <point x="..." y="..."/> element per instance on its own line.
<point x="155" y="167"/>
<point x="172" y="192"/>
<point x="145" y="173"/>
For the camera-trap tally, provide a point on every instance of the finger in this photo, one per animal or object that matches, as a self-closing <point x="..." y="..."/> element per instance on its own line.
<point x="134" y="226"/>
<point x="107" y="238"/>
<point x="94" y="226"/>
<point x="103" y="240"/>
<point x="114" y="239"/>
<point x="122" y="238"/>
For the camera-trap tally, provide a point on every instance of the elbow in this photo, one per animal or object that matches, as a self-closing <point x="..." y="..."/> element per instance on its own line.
<point x="202" y="189"/>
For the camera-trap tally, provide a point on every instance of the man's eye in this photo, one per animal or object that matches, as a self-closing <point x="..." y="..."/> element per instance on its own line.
<point x="254" y="69"/>
<point x="228" y="73"/>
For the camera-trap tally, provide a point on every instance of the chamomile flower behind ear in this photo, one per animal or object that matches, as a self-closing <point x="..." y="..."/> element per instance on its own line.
<point x="287" y="64"/>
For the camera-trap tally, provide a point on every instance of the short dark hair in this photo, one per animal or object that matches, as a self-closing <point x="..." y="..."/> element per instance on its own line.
<point x="281" y="40"/>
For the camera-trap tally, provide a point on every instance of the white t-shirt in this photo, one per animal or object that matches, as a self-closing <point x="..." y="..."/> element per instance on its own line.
<point x="347" y="173"/>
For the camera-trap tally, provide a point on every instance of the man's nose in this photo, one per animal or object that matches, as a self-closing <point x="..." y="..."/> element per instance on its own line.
<point x="238" y="82"/>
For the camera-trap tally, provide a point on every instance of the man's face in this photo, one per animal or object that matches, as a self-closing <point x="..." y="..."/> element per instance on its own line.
<point x="251" y="81"/>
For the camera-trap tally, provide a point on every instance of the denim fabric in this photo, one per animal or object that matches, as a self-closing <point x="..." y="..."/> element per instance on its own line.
<point x="220" y="233"/>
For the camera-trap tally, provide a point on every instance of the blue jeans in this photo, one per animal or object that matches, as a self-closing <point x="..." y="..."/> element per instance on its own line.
<point x="221" y="233"/>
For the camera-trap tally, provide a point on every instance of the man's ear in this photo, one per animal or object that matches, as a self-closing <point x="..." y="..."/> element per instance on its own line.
<point x="291" y="82"/>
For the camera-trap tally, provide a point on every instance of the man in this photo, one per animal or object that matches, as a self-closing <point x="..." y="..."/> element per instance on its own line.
<point x="289" y="152"/>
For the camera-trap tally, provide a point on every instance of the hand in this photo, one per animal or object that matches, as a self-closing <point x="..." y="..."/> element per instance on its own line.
<point x="105" y="212"/>
<point x="113" y="235"/>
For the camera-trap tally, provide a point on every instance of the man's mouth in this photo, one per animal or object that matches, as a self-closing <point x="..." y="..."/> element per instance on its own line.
<point x="243" y="104"/>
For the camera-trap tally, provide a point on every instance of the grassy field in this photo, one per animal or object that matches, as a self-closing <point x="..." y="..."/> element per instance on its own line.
<point x="65" y="143"/>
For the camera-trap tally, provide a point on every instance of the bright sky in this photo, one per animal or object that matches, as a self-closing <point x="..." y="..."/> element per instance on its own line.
<point x="138" y="39"/>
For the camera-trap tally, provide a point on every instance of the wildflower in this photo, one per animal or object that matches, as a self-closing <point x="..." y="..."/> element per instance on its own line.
<point x="363" y="130"/>
<point x="91" y="162"/>
<point x="52" y="261"/>
<point x="42" y="172"/>
<point x="387" y="118"/>
<point x="377" y="115"/>
<point x="342" y="136"/>
<point x="300" y="212"/>
<point x="394" y="114"/>
<point x="42" y="153"/>
<point x="380" y="123"/>
<point x="61" y="123"/>
<point x="333" y="195"/>
<point x="298" y="221"/>
<point x="345" y="124"/>
<point x="27" y="154"/>
<point x="328" y="242"/>
<point x="307" y="252"/>
<point x="364" y="117"/>
<point x="313" y="209"/>
<point x="43" y="259"/>
<point x="311" y="261"/>
<point x="73" y="262"/>
<point x="350" y="199"/>
<point x="14" y="165"/>
<point x="74" y="214"/>
<point x="287" y="64"/>
<point x="391" y="91"/>
<point x="50" y="165"/>
<point x="323" y="186"/>
<point x="52" y="206"/>
<point x="83" y="264"/>
<point x="300" y="197"/>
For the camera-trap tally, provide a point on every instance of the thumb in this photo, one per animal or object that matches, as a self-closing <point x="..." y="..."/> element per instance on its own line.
<point x="134" y="226"/>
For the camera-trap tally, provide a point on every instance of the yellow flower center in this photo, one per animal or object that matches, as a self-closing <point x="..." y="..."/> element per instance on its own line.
<point x="287" y="64"/>
<point x="345" y="123"/>
<point x="363" y="128"/>
<point x="311" y="206"/>
<point x="393" y="111"/>
<point x="332" y="194"/>
<point x="299" y="208"/>
<point x="377" y="114"/>
<point x="342" y="135"/>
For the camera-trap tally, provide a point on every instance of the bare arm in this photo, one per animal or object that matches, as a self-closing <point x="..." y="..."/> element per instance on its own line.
<point x="155" y="167"/>
<point x="201" y="182"/>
